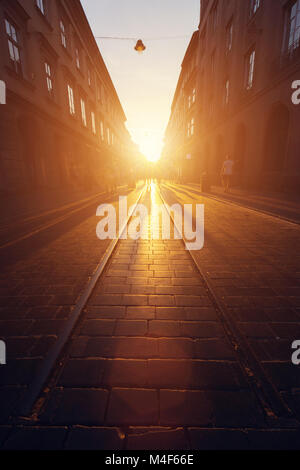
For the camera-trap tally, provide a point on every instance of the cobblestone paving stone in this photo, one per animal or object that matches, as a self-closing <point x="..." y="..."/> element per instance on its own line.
<point x="150" y="366"/>
<point x="37" y="294"/>
<point x="253" y="263"/>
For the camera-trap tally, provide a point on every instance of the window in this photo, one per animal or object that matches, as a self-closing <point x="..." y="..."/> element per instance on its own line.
<point x="71" y="100"/>
<point x="49" y="79"/>
<point x="102" y="130"/>
<point x="254" y="6"/>
<point x="112" y="139"/>
<point x="63" y="34"/>
<point x="226" y="92"/>
<point x="194" y="96"/>
<point x="108" y="136"/>
<point x="77" y="58"/>
<point x="189" y="101"/>
<point x="83" y="112"/>
<point x="41" y="6"/>
<point x="98" y="91"/>
<point x="293" y="27"/>
<point x="229" y="36"/>
<point x="13" y="47"/>
<point x="249" y="71"/>
<point x="89" y="77"/>
<point x="93" y="123"/>
<point x="192" y="126"/>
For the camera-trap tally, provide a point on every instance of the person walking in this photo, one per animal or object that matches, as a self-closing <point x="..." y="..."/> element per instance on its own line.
<point x="227" y="173"/>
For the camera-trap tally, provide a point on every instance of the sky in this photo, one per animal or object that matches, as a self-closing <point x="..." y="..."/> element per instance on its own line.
<point x="144" y="82"/>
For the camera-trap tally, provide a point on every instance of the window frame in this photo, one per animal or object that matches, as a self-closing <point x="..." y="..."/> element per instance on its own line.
<point x="49" y="77"/>
<point x="226" y="97"/>
<point x="250" y="62"/>
<point x="229" y="36"/>
<point x="192" y="127"/>
<point x="63" y="33"/>
<point x="102" y="134"/>
<point x="93" y="122"/>
<point x="291" y="46"/>
<point x="83" y="112"/>
<point x="254" y="6"/>
<point x="89" y="77"/>
<point x="71" y="99"/>
<point x="40" y="4"/>
<point x="12" y="37"/>
<point x="194" y="95"/>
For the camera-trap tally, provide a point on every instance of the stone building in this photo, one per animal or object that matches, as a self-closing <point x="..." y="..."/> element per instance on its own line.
<point x="248" y="61"/>
<point x="181" y="139"/>
<point x="62" y="124"/>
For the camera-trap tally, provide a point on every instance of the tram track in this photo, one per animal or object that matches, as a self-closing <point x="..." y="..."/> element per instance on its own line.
<point x="38" y="390"/>
<point x="275" y="409"/>
<point x="36" y="224"/>
<point x="273" y="404"/>
<point x="280" y="269"/>
<point x="242" y="205"/>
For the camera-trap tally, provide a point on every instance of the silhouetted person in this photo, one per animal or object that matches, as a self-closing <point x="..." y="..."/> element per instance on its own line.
<point x="227" y="173"/>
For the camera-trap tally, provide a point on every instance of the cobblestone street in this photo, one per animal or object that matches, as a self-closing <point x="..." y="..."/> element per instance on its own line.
<point x="159" y="357"/>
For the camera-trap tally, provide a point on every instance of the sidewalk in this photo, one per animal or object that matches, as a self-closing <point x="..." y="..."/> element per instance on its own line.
<point x="18" y="206"/>
<point x="280" y="204"/>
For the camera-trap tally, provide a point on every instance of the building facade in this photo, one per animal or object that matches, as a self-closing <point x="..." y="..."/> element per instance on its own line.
<point x="181" y="139"/>
<point x="62" y="124"/>
<point x="248" y="61"/>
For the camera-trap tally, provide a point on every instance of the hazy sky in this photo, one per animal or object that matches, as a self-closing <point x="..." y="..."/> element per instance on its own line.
<point x="145" y="83"/>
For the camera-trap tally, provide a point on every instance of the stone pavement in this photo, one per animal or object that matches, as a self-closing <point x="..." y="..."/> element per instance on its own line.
<point x="37" y="293"/>
<point x="253" y="263"/>
<point x="150" y="365"/>
<point x="282" y="204"/>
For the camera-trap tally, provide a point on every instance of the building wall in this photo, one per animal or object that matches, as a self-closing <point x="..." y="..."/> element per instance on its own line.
<point x="181" y="149"/>
<point x="258" y="126"/>
<point x="41" y="143"/>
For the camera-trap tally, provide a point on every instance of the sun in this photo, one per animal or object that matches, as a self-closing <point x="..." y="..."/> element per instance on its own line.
<point x="151" y="147"/>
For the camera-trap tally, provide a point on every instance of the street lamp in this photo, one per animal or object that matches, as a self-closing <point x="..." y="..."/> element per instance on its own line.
<point x="140" y="47"/>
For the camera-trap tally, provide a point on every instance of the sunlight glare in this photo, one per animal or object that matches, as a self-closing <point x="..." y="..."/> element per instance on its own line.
<point x="151" y="147"/>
